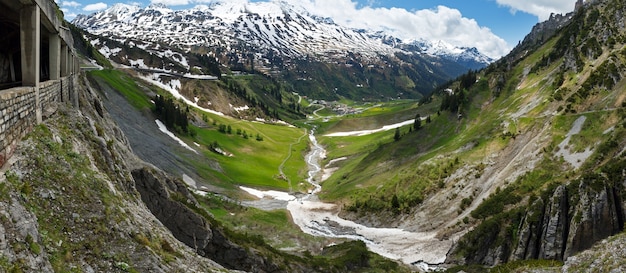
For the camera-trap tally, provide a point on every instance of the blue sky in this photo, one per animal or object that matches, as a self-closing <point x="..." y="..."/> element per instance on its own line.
<point x="492" y="26"/>
<point x="510" y="26"/>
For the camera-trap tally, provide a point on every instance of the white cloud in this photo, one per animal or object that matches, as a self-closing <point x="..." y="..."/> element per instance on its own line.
<point x="442" y="23"/>
<point x="70" y="16"/>
<point x="541" y="8"/>
<point x="95" y="7"/>
<point x="72" y="4"/>
<point x="171" y="2"/>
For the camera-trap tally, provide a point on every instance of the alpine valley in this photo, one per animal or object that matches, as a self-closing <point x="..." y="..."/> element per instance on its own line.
<point x="259" y="137"/>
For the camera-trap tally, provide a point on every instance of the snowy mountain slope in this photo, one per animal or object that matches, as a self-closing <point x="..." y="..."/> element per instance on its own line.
<point x="275" y="26"/>
<point x="312" y="54"/>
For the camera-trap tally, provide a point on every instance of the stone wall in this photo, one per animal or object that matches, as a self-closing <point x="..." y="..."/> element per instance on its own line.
<point x="18" y="110"/>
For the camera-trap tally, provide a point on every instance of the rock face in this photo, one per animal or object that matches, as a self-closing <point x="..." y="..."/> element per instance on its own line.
<point x="165" y="197"/>
<point x="68" y="202"/>
<point x="593" y="215"/>
<point x="567" y="220"/>
<point x="187" y="226"/>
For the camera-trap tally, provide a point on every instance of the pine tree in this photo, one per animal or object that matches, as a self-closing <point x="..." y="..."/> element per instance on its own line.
<point x="418" y="122"/>
<point x="395" y="204"/>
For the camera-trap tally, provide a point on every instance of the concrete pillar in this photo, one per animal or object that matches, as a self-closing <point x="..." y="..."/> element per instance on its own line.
<point x="63" y="59"/>
<point x="76" y="65"/>
<point x="55" y="56"/>
<point x="30" y="31"/>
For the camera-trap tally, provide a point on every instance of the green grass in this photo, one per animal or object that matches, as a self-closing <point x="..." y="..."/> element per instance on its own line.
<point x="256" y="163"/>
<point x="126" y="85"/>
<point x="374" y="116"/>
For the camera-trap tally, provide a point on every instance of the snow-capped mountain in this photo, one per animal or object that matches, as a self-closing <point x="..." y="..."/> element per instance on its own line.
<point x="466" y="56"/>
<point x="311" y="53"/>
<point x="275" y="26"/>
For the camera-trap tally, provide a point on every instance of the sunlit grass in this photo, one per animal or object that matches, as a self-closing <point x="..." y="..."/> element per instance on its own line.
<point x="126" y="85"/>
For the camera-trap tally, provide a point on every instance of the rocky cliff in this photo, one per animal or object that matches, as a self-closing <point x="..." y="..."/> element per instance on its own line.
<point x="69" y="202"/>
<point x="565" y="220"/>
<point x="574" y="197"/>
<point x="75" y="197"/>
<point x="171" y="202"/>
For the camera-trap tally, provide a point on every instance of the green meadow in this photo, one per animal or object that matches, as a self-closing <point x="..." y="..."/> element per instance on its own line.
<point x="255" y="160"/>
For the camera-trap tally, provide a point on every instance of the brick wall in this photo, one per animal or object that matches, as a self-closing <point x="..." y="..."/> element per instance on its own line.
<point x="18" y="110"/>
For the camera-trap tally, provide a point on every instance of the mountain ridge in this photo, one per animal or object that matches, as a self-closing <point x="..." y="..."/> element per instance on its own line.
<point x="240" y="12"/>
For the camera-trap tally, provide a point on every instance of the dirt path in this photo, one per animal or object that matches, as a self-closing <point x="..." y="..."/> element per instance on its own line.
<point x="282" y="164"/>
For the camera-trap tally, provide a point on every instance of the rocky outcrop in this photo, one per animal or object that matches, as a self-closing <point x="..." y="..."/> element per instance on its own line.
<point x="572" y="222"/>
<point x="598" y="214"/>
<point x="187" y="226"/>
<point x="166" y="199"/>
<point x="566" y="220"/>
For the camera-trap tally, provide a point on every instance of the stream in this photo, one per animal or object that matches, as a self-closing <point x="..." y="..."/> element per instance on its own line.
<point x="317" y="218"/>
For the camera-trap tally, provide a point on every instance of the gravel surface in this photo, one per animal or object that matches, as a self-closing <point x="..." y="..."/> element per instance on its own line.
<point x="147" y="141"/>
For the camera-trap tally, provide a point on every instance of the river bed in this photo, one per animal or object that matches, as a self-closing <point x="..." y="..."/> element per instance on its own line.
<point x="322" y="219"/>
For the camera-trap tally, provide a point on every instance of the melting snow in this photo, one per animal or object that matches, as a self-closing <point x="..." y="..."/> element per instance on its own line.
<point x="242" y="108"/>
<point x="278" y="195"/>
<point x="367" y="132"/>
<point x="154" y="79"/>
<point x="138" y="63"/>
<point x="170" y="134"/>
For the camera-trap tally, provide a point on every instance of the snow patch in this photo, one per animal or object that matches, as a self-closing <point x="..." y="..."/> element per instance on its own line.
<point x="368" y="132"/>
<point x="154" y="79"/>
<point x="190" y="182"/>
<point x="170" y="134"/>
<point x="242" y="108"/>
<point x="278" y="195"/>
<point x="138" y="63"/>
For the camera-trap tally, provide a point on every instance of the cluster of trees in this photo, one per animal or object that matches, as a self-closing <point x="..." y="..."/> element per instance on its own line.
<point x="227" y="129"/>
<point x="417" y="124"/>
<point x="234" y="87"/>
<point x="174" y="118"/>
<point x="607" y="75"/>
<point x="211" y="64"/>
<point x="455" y="100"/>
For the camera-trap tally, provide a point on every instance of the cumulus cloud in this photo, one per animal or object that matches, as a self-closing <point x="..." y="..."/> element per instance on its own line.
<point x="172" y="2"/>
<point x="72" y="4"/>
<point x="95" y="7"/>
<point x="441" y="23"/>
<point x="541" y="8"/>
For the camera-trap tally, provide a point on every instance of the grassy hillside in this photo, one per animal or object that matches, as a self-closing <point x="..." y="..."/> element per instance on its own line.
<point x="255" y="153"/>
<point x="500" y="142"/>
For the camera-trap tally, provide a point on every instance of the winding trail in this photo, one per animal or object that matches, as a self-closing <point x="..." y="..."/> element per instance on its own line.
<point x="282" y="164"/>
<point x="319" y="109"/>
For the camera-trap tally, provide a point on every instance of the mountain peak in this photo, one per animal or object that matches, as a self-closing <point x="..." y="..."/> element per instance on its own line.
<point x="159" y="7"/>
<point x="266" y="29"/>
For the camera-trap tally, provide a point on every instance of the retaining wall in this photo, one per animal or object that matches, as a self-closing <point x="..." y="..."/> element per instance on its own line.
<point x="19" y="111"/>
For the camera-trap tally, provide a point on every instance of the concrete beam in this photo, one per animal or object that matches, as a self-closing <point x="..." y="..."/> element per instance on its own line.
<point x="55" y="56"/>
<point x="66" y="35"/>
<point x="76" y="65"/>
<point x="30" y="34"/>
<point x="63" y="59"/>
